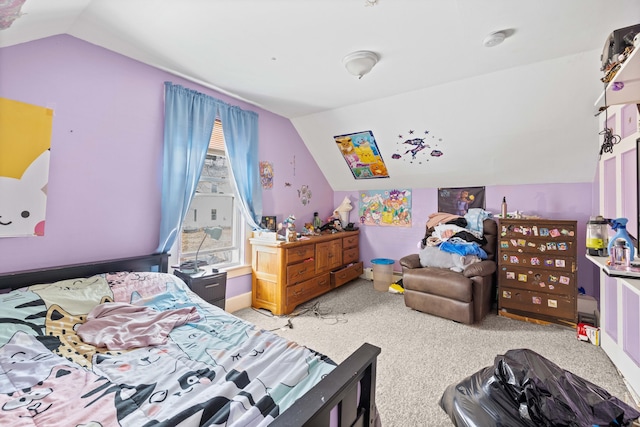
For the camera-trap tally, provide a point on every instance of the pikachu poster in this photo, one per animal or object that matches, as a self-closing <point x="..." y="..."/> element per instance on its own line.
<point x="361" y="153"/>
<point x="25" y="142"/>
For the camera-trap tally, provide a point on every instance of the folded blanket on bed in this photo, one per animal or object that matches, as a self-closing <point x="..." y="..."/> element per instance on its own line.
<point x="121" y="326"/>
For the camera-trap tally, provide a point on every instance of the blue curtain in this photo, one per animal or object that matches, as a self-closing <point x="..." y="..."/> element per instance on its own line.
<point x="189" y="120"/>
<point x="241" y="144"/>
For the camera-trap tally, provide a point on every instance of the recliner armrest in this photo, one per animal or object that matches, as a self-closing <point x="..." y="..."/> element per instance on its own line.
<point x="482" y="268"/>
<point x="410" y="261"/>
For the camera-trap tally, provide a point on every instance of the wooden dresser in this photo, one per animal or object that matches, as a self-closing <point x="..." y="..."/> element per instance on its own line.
<point x="537" y="270"/>
<point x="287" y="274"/>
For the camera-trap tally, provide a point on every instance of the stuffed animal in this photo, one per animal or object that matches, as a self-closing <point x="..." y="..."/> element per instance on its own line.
<point x="310" y="229"/>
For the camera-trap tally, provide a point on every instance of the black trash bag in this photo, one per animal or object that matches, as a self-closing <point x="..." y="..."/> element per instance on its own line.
<point x="525" y="389"/>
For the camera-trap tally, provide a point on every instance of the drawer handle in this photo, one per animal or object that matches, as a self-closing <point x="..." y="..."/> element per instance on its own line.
<point x="302" y="271"/>
<point x="322" y="282"/>
<point x="213" y="285"/>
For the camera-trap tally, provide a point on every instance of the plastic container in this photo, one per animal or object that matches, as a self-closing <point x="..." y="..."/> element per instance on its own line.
<point x="382" y="273"/>
<point x="619" y="225"/>
<point x="503" y="208"/>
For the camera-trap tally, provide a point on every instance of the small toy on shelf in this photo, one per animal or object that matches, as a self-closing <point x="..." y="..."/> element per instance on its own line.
<point x="289" y="224"/>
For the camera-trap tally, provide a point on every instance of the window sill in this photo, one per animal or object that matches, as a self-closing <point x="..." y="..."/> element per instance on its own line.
<point x="239" y="270"/>
<point x="235" y="271"/>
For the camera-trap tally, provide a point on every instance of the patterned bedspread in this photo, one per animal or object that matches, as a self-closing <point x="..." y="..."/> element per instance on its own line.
<point x="218" y="370"/>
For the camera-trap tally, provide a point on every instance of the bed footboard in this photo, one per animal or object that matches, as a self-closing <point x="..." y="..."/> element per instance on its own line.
<point x="339" y="389"/>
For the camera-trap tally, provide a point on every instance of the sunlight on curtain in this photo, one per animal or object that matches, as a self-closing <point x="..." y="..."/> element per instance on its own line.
<point x="241" y="143"/>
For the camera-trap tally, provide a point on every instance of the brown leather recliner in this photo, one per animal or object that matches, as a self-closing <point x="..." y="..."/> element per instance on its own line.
<point x="464" y="297"/>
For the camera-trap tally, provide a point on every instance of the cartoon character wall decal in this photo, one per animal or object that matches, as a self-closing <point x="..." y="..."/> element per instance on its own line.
<point x="416" y="145"/>
<point x="24" y="200"/>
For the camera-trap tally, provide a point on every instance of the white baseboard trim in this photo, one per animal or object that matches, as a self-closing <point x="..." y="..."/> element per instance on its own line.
<point x="238" y="302"/>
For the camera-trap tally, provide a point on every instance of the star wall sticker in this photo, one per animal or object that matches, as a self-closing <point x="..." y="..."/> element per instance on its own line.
<point x="415" y="149"/>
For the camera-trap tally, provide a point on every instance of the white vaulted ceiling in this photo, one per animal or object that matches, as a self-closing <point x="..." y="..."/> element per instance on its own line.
<point x="529" y="99"/>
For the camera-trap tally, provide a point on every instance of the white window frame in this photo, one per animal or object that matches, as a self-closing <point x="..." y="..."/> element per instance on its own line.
<point x="239" y="227"/>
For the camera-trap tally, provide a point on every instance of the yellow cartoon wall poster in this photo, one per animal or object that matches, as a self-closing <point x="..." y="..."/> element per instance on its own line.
<point x="25" y="140"/>
<point x="385" y="207"/>
<point x="361" y="153"/>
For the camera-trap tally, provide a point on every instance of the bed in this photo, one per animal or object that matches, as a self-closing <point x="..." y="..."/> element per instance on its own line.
<point x="124" y="343"/>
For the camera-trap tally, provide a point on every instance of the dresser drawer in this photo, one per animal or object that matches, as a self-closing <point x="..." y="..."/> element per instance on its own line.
<point x="561" y="247"/>
<point x="304" y="291"/>
<point x="551" y="230"/>
<point x="301" y="271"/>
<point x="537" y="280"/>
<point x="350" y="242"/>
<point x="541" y="303"/>
<point x="299" y="253"/>
<point x="346" y="274"/>
<point x="538" y="261"/>
<point x="351" y="255"/>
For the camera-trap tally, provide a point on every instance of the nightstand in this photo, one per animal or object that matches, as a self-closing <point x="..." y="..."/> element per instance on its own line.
<point x="211" y="287"/>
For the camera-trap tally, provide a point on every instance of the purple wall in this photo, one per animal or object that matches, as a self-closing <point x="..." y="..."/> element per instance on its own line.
<point x="104" y="186"/>
<point x="555" y="201"/>
<point x="106" y="154"/>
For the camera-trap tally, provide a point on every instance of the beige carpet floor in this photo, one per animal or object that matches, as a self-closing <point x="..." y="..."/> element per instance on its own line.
<point x="422" y="354"/>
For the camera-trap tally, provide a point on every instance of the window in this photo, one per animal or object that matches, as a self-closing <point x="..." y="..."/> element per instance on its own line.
<point x="214" y="205"/>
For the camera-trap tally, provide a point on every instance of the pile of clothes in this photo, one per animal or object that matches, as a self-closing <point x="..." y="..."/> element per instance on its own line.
<point x="454" y="241"/>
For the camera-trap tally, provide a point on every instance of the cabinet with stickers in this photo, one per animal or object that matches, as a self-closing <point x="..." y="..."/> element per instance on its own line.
<point x="537" y="270"/>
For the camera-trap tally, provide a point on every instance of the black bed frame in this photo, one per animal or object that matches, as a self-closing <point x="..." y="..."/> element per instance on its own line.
<point x="338" y="389"/>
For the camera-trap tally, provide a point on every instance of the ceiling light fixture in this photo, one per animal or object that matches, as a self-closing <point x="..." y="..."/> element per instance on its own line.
<point x="494" y="39"/>
<point x="360" y="63"/>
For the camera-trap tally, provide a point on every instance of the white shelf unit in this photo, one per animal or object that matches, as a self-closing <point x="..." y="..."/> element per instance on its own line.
<point x="629" y="75"/>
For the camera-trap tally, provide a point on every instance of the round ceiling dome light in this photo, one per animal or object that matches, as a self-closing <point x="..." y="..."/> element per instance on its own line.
<point x="494" y="39"/>
<point x="360" y="63"/>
